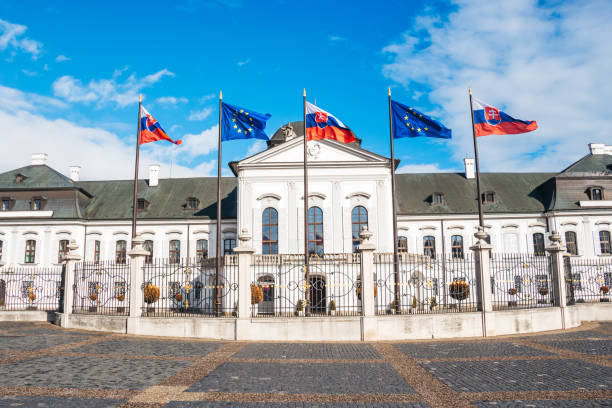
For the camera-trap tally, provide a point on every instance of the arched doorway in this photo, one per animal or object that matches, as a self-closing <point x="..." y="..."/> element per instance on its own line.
<point x="266" y="306"/>
<point x="318" y="295"/>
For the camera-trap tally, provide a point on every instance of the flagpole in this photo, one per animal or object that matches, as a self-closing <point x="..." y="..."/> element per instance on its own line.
<point x="219" y="243"/>
<point x="395" y="257"/>
<point x="480" y="216"/>
<point x="306" y="260"/>
<point x="135" y="201"/>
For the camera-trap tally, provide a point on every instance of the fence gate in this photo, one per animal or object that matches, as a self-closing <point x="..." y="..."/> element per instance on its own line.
<point x="102" y="288"/>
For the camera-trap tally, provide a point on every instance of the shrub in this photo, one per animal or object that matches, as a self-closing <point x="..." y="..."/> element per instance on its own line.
<point x="332" y="305"/>
<point x="392" y="306"/>
<point x="93" y="297"/>
<point x="121" y="297"/>
<point x="512" y="291"/>
<point x="32" y="296"/>
<point x="604" y="290"/>
<point x="178" y="297"/>
<point x="414" y="302"/>
<point x="543" y="291"/>
<point x="151" y="293"/>
<point x="256" y="294"/>
<point x="459" y="290"/>
<point x="433" y="303"/>
<point x="300" y="305"/>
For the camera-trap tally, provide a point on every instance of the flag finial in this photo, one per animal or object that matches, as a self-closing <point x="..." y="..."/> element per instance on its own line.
<point x="389" y="91"/>
<point x="470" y="90"/>
<point x="139" y="98"/>
<point x="304" y="91"/>
<point x="220" y="94"/>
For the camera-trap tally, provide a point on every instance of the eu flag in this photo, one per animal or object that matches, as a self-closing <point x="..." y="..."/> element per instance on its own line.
<point x="408" y="122"/>
<point x="240" y="123"/>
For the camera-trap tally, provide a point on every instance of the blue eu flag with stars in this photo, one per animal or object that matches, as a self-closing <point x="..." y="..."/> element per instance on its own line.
<point x="240" y="123"/>
<point x="408" y="122"/>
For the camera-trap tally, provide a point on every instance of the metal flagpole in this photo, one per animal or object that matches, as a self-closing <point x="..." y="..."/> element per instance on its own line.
<point x="396" y="278"/>
<point x="219" y="260"/>
<point x="480" y="217"/>
<point x="306" y="260"/>
<point x="135" y="201"/>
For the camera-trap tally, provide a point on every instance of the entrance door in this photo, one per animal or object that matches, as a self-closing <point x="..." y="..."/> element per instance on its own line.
<point x="266" y="306"/>
<point x="318" y="295"/>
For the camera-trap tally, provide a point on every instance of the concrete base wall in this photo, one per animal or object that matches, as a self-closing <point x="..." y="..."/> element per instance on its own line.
<point x="354" y="328"/>
<point x="26" y="316"/>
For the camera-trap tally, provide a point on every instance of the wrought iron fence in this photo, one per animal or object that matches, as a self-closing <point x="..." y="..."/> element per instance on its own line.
<point x="588" y="280"/>
<point x="191" y="287"/>
<point x="521" y="281"/>
<point x="423" y="284"/>
<point x="102" y="288"/>
<point x="30" y="288"/>
<point x="281" y="285"/>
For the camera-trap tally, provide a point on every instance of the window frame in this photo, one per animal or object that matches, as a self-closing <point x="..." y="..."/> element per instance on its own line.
<point x="228" y="246"/>
<point x="604" y="244"/>
<point x="201" y="253"/>
<point x="457" y="249"/>
<point x="192" y="200"/>
<point x="10" y="201"/>
<point x="539" y="245"/>
<point x="488" y="197"/>
<point x="356" y="240"/>
<point x="316" y="242"/>
<point x="30" y="251"/>
<point x="96" y="257"/>
<point x="174" y="251"/>
<point x="402" y="244"/>
<point x="142" y="204"/>
<point x="429" y="250"/>
<point x="62" y="249"/>
<point x="269" y="246"/>
<point x="600" y="192"/>
<point x="121" y="252"/>
<point x="34" y="200"/>
<point x="437" y="195"/>
<point x="571" y="245"/>
<point x="148" y="246"/>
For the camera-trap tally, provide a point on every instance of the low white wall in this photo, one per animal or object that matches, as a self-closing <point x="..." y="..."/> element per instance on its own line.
<point x="24" y="316"/>
<point x="353" y="328"/>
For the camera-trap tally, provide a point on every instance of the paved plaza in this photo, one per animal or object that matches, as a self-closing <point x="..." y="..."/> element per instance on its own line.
<point x="46" y="366"/>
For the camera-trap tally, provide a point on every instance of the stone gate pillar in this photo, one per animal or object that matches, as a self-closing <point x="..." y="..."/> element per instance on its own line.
<point x="366" y="249"/>
<point x="557" y="252"/>
<point x="137" y="257"/>
<point x="245" y="256"/>
<point x="71" y="259"/>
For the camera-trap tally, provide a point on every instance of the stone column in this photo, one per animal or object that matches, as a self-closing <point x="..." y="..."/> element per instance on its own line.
<point x="366" y="249"/>
<point x="71" y="259"/>
<point x="245" y="256"/>
<point x="557" y="268"/>
<point x="482" y="261"/>
<point x="137" y="257"/>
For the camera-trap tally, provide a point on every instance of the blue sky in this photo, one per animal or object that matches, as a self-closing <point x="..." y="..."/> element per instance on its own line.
<point x="71" y="73"/>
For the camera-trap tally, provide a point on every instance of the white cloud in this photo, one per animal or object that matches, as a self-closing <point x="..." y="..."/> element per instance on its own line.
<point x="29" y="73"/>
<point x="61" y="58"/>
<point x="200" y="114"/>
<point x="536" y="62"/>
<point x="335" y="38"/>
<point x="206" y="98"/>
<point x="241" y="63"/>
<point x="171" y="100"/>
<point x="256" y="147"/>
<point x="422" y="168"/>
<point x="11" y="35"/>
<point x="194" y="145"/>
<point x="103" y="92"/>
<point x="12" y="100"/>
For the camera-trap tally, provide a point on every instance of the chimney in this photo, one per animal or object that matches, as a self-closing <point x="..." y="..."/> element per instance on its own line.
<point x="469" y="168"/>
<point x="39" y="159"/>
<point x="600" y="148"/>
<point x="154" y="175"/>
<point x="75" y="172"/>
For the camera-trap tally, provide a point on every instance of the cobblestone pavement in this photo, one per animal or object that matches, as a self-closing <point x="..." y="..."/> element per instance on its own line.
<point x="45" y="366"/>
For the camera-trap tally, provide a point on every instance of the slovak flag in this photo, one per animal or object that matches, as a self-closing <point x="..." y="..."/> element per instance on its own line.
<point x="151" y="130"/>
<point x="491" y="121"/>
<point x="323" y="125"/>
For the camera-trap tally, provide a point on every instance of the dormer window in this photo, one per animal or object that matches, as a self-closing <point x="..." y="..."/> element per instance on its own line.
<point x="37" y="203"/>
<point x="437" y="199"/>
<point x="488" y="197"/>
<point x="596" y="193"/>
<point x="142" y="204"/>
<point x="7" y="203"/>
<point x="19" y="178"/>
<point x="192" y="203"/>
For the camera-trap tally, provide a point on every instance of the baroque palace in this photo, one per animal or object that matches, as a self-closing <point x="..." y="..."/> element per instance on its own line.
<point x="42" y="210"/>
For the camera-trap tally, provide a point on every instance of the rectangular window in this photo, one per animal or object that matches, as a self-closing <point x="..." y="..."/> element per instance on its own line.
<point x="27" y="288"/>
<point x="608" y="279"/>
<point x="120" y="252"/>
<point x="96" y="257"/>
<point x="577" y="281"/>
<point x="228" y="246"/>
<point x="175" y="251"/>
<point x="58" y="289"/>
<point x="30" y="251"/>
<point x="518" y="284"/>
<point x="571" y="243"/>
<point x="174" y="289"/>
<point x="6" y="204"/>
<point x="402" y="244"/>
<point x="201" y="250"/>
<point x="429" y="247"/>
<point x="538" y="244"/>
<point x="93" y="288"/>
<point x="37" y="204"/>
<point x="457" y="246"/>
<point x="604" y="242"/>
<point x="62" y="250"/>
<point x="542" y="281"/>
<point x="434" y="286"/>
<point x="119" y="288"/>
<point x="148" y="246"/>
<point x="597" y="195"/>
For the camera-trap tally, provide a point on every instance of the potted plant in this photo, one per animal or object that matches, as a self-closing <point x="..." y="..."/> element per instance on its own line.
<point x="543" y="291"/>
<point x="120" y="298"/>
<point x="256" y="294"/>
<point x="93" y="297"/>
<point x="332" y="308"/>
<point x="32" y="297"/>
<point x="433" y="304"/>
<point x="604" y="290"/>
<point x="300" y="307"/>
<point x="151" y="295"/>
<point x="459" y="290"/>
<point x="512" y="292"/>
<point x="178" y="297"/>
<point x="415" y="304"/>
<point x="392" y="308"/>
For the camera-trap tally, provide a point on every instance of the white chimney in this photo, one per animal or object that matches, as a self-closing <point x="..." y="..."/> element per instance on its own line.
<point x="39" y="159"/>
<point x="154" y="175"/>
<point x="75" y="172"/>
<point x="600" y="148"/>
<point x="470" y="173"/>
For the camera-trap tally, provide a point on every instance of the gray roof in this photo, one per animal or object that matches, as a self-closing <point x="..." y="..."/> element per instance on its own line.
<point x="589" y="165"/>
<point x="514" y="193"/>
<point x="113" y="199"/>
<point x="37" y="177"/>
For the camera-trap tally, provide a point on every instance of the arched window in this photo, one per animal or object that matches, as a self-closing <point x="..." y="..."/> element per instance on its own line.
<point x="315" y="231"/>
<point x="269" y="231"/>
<point x="201" y="250"/>
<point x="120" y="248"/>
<point x="604" y="242"/>
<point x="359" y="219"/>
<point x="538" y="244"/>
<point x="571" y="243"/>
<point x="62" y="250"/>
<point x="30" y="251"/>
<point x="148" y="246"/>
<point x="429" y="246"/>
<point x="96" y="257"/>
<point x="402" y="244"/>
<point x="175" y="251"/>
<point x="457" y="246"/>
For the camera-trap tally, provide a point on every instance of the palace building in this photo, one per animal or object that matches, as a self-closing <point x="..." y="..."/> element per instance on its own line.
<point x="349" y="187"/>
